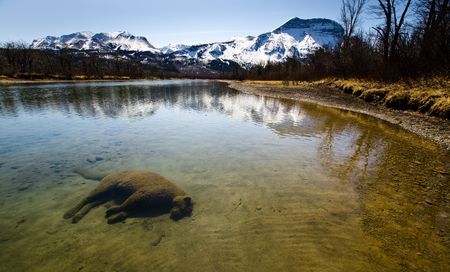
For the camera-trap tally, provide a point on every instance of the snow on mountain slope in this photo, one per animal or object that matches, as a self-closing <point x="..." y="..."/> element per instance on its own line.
<point x="324" y="31"/>
<point x="109" y="41"/>
<point x="172" y="48"/>
<point x="297" y="38"/>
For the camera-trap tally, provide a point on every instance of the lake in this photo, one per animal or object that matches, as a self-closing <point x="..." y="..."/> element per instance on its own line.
<point x="278" y="185"/>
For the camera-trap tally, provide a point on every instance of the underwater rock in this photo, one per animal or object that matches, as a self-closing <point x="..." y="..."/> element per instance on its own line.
<point x="51" y="232"/>
<point x="2" y="240"/>
<point x="142" y="190"/>
<point x="24" y="187"/>
<point x="146" y="225"/>
<point x="89" y="174"/>
<point x="96" y="159"/>
<point x="157" y="239"/>
<point x="20" y="222"/>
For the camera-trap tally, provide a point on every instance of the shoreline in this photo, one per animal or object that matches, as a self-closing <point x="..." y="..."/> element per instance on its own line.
<point x="48" y="81"/>
<point x="431" y="128"/>
<point x="13" y="81"/>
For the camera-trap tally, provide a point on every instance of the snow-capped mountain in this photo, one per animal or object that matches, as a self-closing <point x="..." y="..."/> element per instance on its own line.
<point x="323" y="31"/>
<point x="105" y="42"/>
<point x="172" y="48"/>
<point x="297" y="38"/>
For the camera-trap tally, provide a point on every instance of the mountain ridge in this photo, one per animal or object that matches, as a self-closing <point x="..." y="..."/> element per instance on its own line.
<point x="297" y="38"/>
<point x="103" y="41"/>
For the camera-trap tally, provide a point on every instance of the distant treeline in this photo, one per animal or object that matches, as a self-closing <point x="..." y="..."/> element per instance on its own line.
<point x="413" y="41"/>
<point x="17" y="60"/>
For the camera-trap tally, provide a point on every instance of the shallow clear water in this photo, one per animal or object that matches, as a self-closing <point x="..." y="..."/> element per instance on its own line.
<point x="278" y="185"/>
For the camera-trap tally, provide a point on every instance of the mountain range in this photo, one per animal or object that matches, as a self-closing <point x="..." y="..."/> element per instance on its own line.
<point x="295" y="39"/>
<point x="105" y="42"/>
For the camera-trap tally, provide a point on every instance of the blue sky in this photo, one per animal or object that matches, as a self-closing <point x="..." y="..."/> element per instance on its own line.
<point x="162" y="22"/>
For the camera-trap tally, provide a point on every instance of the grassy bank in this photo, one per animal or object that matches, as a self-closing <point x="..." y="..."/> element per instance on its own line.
<point x="428" y="96"/>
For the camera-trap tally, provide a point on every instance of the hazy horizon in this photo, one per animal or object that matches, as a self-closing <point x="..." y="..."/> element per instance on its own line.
<point x="196" y="22"/>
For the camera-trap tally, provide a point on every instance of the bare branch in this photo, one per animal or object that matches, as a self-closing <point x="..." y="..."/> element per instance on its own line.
<point x="350" y="15"/>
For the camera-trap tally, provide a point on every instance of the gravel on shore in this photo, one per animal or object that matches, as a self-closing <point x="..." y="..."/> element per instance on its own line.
<point x="431" y="128"/>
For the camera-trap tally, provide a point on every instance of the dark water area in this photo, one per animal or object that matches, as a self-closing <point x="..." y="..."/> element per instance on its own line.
<point x="277" y="184"/>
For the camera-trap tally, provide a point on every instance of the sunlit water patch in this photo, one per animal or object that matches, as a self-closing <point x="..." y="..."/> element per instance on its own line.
<point x="278" y="185"/>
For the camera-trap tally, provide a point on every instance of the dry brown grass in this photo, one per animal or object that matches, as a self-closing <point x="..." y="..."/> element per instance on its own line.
<point x="428" y="95"/>
<point x="285" y="84"/>
<point x="431" y="96"/>
<point x="116" y="77"/>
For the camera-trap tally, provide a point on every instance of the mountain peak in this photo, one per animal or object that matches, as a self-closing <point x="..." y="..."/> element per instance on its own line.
<point x="307" y="23"/>
<point x="84" y="33"/>
<point x="326" y="32"/>
<point x="105" y="41"/>
<point x="172" y="48"/>
<point x="297" y="38"/>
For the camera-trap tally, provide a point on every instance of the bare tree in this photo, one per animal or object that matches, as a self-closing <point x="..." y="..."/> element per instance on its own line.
<point x="434" y="26"/>
<point x="350" y="16"/>
<point x="393" y="22"/>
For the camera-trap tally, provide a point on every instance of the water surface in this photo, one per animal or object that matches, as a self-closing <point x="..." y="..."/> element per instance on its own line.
<point x="278" y="185"/>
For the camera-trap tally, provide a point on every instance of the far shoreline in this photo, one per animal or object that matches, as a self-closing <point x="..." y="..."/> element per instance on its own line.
<point x="14" y="81"/>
